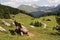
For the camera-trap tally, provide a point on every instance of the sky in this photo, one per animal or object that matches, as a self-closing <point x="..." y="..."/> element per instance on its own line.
<point x="16" y="3"/>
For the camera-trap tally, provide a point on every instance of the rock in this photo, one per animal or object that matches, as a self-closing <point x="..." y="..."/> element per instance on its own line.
<point x="32" y="26"/>
<point x="21" y="33"/>
<point x="5" y="23"/>
<point x="2" y="29"/>
<point x="24" y="29"/>
<point x="44" y="25"/>
<point x="13" y="23"/>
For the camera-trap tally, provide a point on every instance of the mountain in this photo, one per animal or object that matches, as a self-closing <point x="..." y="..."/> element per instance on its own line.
<point x="56" y="9"/>
<point x="5" y="11"/>
<point x="43" y="8"/>
<point x="37" y="11"/>
<point x="27" y="8"/>
<point x="30" y="10"/>
<point x="34" y="5"/>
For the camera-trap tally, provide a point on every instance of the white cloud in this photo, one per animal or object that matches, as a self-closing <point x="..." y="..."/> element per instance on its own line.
<point x="45" y="5"/>
<point x="54" y="1"/>
<point x="28" y="4"/>
<point x="13" y="3"/>
<point x="8" y="3"/>
<point x="24" y="0"/>
<point x="16" y="3"/>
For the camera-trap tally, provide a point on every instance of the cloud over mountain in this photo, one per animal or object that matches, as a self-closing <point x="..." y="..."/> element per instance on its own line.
<point x="55" y="2"/>
<point x="24" y="0"/>
<point x="16" y="3"/>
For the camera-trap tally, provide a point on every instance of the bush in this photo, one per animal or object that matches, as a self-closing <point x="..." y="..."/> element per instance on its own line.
<point x="58" y="20"/>
<point x="31" y="23"/>
<point x="36" y="23"/>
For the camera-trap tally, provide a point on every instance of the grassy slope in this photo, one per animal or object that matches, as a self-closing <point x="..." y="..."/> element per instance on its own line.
<point x="40" y="34"/>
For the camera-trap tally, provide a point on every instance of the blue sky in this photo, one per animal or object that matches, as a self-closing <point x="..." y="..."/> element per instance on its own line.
<point x="16" y="3"/>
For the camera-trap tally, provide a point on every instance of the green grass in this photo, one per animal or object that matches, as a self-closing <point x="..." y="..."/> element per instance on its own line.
<point x="39" y="32"/>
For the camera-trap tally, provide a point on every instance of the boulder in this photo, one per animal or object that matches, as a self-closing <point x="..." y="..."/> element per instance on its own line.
<point x="2" y="29"/>
<point x="44" y="25"/>
<point x="32" y="26"/>
<point x="24" y="29"/>
<point x="6" y="23"/>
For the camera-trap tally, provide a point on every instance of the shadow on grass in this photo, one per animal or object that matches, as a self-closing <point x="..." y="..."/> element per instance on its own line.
<point x="56" y="34"/>
<point x="17" y="31"/>
<point x="12" y="32"/>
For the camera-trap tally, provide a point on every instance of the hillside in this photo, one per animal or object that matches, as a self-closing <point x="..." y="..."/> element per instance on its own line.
<point x="5" y="11"/>
<point x="39" y="32"/>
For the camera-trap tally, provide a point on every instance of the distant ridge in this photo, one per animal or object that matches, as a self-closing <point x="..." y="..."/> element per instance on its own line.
<point x="31" y="10"/>
<point x="39" y="11"/>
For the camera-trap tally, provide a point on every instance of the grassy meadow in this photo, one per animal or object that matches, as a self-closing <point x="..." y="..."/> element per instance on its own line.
<point x="38" y="32"/>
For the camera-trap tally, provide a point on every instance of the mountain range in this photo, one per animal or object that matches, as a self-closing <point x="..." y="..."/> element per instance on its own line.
<point x="34" y="10"/>
<point x="37" y="11"/>
<point x="56" y="9"/>
<point x="31" y="10"/>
